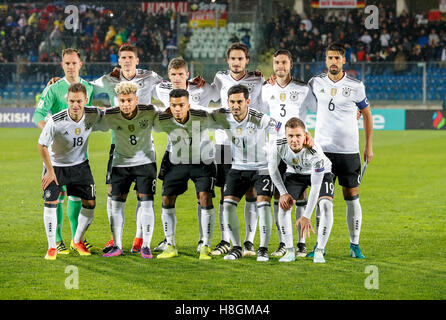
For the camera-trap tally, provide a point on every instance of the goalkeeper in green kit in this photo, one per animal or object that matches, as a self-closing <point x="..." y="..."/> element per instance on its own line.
<point x="54" y="99"/>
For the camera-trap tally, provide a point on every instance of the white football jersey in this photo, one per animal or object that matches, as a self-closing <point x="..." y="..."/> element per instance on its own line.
<point x="293" y="100"/>
<point x="223" y="81"/>
<point x="67" y="140"/>
<point x="337" y="105"/>
<point x="250" y="140"/>
<point x="200" y="97"/>
<point x="133" y="143"/>
<point x="189" y="142"/>
<point x="305" y="162"/>
<point x="145" y="79"/>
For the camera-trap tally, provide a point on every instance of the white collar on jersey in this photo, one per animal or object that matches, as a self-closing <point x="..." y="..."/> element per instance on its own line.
<point x="335" y="82"/>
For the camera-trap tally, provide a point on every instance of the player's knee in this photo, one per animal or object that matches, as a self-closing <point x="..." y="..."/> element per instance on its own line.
<point x="350" y="193"/>
<point x="168" y="201"/>
<point x="205" y="199"/>
<point x="89" y="204"/>
<point x="326" y="206"/>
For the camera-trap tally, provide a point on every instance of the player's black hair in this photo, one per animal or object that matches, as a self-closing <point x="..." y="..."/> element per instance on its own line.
<point x="178" y="93"/>
<point x="239" y="89"/>
<point x="284" y="52"/>
<point x="336" y="46"/>
<point x="238" y="46"/>
<point x="295" y="123"/>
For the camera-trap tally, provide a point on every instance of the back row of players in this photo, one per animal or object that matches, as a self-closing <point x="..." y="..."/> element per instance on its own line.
<point x="267" y="145"/>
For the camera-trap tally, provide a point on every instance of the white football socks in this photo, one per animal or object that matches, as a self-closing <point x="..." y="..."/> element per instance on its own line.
<point x="231" y="221"/>
<point x="286" y="228"/>
<point x="354" y="219"/>
<point x="251" y="218"/>
<point x="139" y="231"/>
<point x="276" y="220"/>
<point x="265" y="223"/>
<point x="300" y="209"/>
<point x="169" y="220"/>
<point x="147" y="218"/>
<point x="117" y="221"/>
<point x="207" y="225"/>
<point x="50" y="222"/>
<point x="199" y="220"/>
<point x="326" y="222"/>
<point x="224" y="232"/>
<point x="86" y="216"/>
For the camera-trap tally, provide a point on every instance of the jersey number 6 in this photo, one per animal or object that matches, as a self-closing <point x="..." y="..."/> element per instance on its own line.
<point x="331" y="105"/>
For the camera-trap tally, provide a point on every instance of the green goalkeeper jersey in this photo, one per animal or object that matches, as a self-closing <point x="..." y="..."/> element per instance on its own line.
<point x="54" y="98"/>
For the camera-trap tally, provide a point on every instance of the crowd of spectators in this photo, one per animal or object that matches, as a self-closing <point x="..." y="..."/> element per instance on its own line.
<point x="408" y="37"/>
<point x="38" y="34"/>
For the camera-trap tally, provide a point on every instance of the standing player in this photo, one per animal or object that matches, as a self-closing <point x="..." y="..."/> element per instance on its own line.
<point x="238" y="59"/>
<point x="339" y="96"/>
<point x="146" y="81"/>
<point x="287" y="98"/>
<point x="192" y="158"/>
<point x="199" y="96"/>
<point x="305" y="167"/>
<point x="249" y="129"/>
<point x="63" y="145"/>
<point x="54" y="100"/>
<point x="133" y="160"/>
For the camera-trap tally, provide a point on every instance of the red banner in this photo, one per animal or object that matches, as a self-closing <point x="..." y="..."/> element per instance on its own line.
<point x="155" y="7"/>
<point x="333" y="4"/>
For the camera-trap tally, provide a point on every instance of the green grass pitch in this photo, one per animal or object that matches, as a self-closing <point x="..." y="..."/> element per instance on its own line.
<point x="403" y="236"/>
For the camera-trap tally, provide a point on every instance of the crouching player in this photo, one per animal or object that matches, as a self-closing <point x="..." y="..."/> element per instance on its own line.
<point x="305" y="167"/>
<point x="63" y="145"/>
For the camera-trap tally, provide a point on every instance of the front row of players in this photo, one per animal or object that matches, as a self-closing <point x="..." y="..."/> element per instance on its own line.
<point x="256" y="153"/>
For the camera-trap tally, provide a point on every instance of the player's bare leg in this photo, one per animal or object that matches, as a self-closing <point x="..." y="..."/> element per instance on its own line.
<point x="251" y="218"/>
<point x="169" y="220"/>
<point x="354" y="219"/>
<point x="265" y="226"/>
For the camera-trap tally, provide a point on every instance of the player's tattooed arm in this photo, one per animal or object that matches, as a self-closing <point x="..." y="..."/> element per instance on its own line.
<point x="198" y="81"/>
<point x="115" y="73"/>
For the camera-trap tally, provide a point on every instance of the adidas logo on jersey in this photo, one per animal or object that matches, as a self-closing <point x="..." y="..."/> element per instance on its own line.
<point x="118" y="128"/>
<point x="65" y="133"/>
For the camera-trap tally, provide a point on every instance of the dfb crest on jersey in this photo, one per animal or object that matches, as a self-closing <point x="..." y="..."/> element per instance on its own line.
<point x="196" y="97"/>
<point x="250" y="128"/>
<point x="250" y="87"/>
<point x="296" y="160"/>
<point x="141" y="84"/>
<point x="77" y="131"/>
<point x="131" y="127"/>
<point x="238" y="131"/>
<point x="346" y="91"/>
<point x="47" y="194"/>
<point x="283" y="96"/>
<point x="294" y="95"/>
<point x="143" y="124"/>
<point x="333" y="91"/>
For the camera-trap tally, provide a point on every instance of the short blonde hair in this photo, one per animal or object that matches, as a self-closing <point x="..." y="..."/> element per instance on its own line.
<point x="126" y="88"/>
